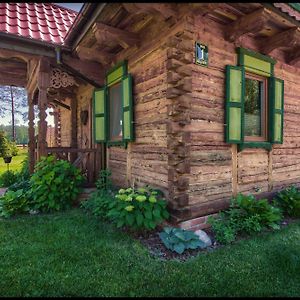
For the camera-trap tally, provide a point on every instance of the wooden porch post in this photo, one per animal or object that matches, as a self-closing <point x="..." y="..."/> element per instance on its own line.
<point x="43" y="84"/>
<point x="31" y="142"/>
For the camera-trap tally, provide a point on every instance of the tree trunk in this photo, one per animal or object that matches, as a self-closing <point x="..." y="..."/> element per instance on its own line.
<point x="12" y="115"/>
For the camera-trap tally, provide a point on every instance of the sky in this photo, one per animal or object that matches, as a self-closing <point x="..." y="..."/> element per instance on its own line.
<point x="74" y="6"/>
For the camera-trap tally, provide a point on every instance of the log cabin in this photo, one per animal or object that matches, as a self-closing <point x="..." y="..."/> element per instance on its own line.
<point x="200" y="100"/>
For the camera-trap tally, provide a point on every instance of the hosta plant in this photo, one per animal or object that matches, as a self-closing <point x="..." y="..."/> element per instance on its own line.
<point x="289" y="201"/>
<point x="178" y="240"/>
<point x="55" y="184"/>
<point x="142" y="208"/>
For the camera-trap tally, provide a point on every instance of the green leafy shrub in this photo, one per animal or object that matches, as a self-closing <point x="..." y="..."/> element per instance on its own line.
<point x="289" y="201"/>
<point x="8" y="178"/>
<point x="178" y="240"/>
<point x="14" y="202"/>
<point x="55" y="184"/>
<point x="14" y="149"/>
<point x="245" y="215"/>
<point x="5" y="146"/>
<point x="225" y="232"/>
<point x="99" y="201"/>
<point x="142" y="208"/>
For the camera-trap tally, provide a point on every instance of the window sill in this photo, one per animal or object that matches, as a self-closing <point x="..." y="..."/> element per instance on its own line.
<point x="116" y="144"/>
<point x="264" y="145"/>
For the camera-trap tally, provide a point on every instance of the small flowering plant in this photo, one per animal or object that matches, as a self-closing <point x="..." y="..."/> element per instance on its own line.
<point x="142" y="208"/>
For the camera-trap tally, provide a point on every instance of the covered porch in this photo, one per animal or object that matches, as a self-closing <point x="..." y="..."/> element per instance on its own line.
<point x="49" y="85"/>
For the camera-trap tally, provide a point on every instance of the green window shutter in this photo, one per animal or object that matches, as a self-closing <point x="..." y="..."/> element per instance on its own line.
<point x="235" y="89"/>
<point x="276" y="109"/>
<point x="99" y="105"/>
<point x="127" y="124"/>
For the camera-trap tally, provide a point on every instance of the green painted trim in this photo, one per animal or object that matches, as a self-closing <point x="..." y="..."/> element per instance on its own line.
<point x="273" y="111"/>
<point x="116" y="144"/>
<point x="229" y="104"/>
<point x="242" y="51"/>
<point x="264" y="145"/>
<point x="295" y="6"/>
<point x="126" y="108"/>
<point x="124" y="65"/>
<point x="99" y="115"/>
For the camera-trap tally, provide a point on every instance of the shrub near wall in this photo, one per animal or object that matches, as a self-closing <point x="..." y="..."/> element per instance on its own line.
<point x="55" y="184"/>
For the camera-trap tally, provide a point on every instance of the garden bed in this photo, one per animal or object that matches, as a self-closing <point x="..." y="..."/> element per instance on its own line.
<point x="157" y="249"/>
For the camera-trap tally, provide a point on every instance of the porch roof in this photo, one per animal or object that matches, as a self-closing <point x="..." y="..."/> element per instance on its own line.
<point x="45" y="22"/>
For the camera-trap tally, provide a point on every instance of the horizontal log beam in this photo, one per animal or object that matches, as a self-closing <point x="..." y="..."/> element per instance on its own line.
<point x="288" y="38"/>
<point x="166" y="10"/>
<point x="251" y="23"/>
<point x="88" y="54"/>
<point x="92" y="72"/>
<point x="13" y="73"/>
<point x="104" y="33"/>
<point x="60" y="103"/>
<point x="294" y="56"/>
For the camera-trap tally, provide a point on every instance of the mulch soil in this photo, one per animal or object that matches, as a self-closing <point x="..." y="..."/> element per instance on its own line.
<point x="157" y="249"/>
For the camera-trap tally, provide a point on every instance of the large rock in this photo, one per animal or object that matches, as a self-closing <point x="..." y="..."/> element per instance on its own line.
<point x="203" y="237"/>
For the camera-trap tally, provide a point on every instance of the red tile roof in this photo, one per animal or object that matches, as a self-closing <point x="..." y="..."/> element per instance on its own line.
<point x="41" y="21"/>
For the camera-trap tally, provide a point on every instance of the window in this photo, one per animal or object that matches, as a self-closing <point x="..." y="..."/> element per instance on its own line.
<point x="254" y="102"/>
<point x="256" y="113"/>
<point x="113" y="111"/>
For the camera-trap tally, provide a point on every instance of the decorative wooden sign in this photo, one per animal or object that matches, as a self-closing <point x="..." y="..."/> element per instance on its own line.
<point x="201" y="54"/>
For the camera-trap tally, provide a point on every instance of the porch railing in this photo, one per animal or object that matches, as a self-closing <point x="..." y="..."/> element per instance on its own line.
<point x="88" y="160"/>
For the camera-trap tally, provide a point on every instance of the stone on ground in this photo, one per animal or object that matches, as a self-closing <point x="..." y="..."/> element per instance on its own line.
<point x="203" y="237"/>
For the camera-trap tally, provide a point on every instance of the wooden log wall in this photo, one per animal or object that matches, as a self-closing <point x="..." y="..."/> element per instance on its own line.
<point x="218" y="170"/>
<point x="145" y="160"/>
<point x="65" y="127"/>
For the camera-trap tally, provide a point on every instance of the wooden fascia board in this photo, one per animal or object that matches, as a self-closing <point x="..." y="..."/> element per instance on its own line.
<point x="250" y="23"/>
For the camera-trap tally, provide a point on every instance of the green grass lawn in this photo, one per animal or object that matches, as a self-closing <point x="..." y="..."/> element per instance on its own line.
<point x="75" y="254"/>
<point x="16" y="162"/>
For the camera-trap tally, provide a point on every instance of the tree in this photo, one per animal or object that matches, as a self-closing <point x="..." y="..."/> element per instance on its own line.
<point x="5" y="147"/>
<point x="13" y="100"/>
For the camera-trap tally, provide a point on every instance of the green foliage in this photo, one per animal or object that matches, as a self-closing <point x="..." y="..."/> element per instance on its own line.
<point x="19" y="180"/>
<point x="99" y="201"/>
<point x="14" y="149"/>
<point x="178" y="240"/>
<point x="55" y="184"/>
<point x="14" y="202"/>
<point x="245" y="215"/>
<point x="289" y="201"/>
<point x="5" y="146"/>
<point x="8" y="178"/>
<point x="104" y="182"/>
<point x="142" y="208"/>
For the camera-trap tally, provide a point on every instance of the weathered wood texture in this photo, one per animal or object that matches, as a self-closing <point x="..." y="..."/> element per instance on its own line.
<point x="148" y="154"/>
<point x="66" y="125"/>
<point x="216" y="170"/>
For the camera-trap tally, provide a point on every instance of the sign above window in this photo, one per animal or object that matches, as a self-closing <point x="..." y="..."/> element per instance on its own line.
<point x="201" y="54"/>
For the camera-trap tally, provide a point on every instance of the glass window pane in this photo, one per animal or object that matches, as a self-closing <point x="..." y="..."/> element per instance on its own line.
<point x="115" y="112"/>
<point x="253" y="108"/>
